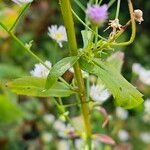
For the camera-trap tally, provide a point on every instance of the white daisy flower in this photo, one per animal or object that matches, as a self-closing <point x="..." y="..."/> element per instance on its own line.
<point x="99" y="93"/>
<point x="58" y="34"/>
<point x="40" y="70"/>
<point x="121" y="113"/>
<point x="22" y="1"/>
<point x="147" y="106"/>
<point x="123" y="135"/>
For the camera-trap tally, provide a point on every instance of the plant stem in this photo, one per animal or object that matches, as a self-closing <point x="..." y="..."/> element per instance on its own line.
<point x="69" y="24"/>
<point x="20" y="15"/>
<point x="118" y="9"/>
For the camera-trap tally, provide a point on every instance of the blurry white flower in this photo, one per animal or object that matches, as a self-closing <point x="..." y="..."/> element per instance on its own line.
<point x="121" y="113"/>
<point x="48" y="118"/>
<point x="99" y="93"/>
<point x="64" y="130"/>
<point x="145" y="137"/>
<point x="63" y="145"/>
<point x="137" y="68"/>
<point x="79" y="144"/>
<point x="123" y="135"/>
<point x="144" y="75"/>
<point x="46" y="137"/>
<point x="85" y="74"/>
<point x="146" y="116"/>
<point x="22" y="1"/>
<point x="58" y="34"/>
<point x="59" y="125"/>
<point x="147" y="106"/>
<point x="40" y="70"/>
<point x="138" y="14"/>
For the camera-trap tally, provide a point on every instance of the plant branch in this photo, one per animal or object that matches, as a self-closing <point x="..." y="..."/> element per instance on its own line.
<point x="69" y="24"/>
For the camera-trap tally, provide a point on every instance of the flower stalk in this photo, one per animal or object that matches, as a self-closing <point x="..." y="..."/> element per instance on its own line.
<point x="69" y="24"/>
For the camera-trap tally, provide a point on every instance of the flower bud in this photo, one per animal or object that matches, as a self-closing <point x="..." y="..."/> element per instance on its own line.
<point x="97" y="14"/>
<point x="138" y="14"/>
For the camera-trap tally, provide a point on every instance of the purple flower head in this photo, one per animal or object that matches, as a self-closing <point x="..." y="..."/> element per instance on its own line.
<point x="97" y="14"/>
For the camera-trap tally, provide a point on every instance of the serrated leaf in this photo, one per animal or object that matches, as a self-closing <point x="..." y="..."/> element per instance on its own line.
<point x="59" y="69"/>
<point x="86" y="35"/>
<point x="125" y="94"/>
<point x="9" y="111"/>
<point x="33" y="86"/>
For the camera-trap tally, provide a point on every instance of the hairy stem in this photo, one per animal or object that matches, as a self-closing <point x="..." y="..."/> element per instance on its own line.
<point x="69" y="24"/>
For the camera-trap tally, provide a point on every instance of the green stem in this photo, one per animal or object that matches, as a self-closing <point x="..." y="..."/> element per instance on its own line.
<point x="100" y="2"/>
<point x="133" y="24"/>
<point x="118" y="9"/>
<point x="69" y="24"/>
<point x="20" y="15"/>
<point x="111" y="3"/>
<point x="30" y="52"/>
<point x="79" y="4"/>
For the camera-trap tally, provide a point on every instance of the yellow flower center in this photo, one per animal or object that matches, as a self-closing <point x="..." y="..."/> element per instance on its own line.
<point x="58" y="35"/>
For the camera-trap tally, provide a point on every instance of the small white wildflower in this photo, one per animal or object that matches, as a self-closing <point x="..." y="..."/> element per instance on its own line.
<point x="146" y="118"/>
<point x="99" y="93"/>
<point x="85" y="74"/>
<point x="48" y="118"/>
<point x="138" y="14"/>
<point x="145" y="137"/>
<point x="22" y="1"/>
<point x="147" y="106"/>
<point x="46" y="137"/>
<point x="63" y="130"/>
<point x="58" y="34"/>
<point x="137" y="68"/>
<point x="144" y="76"/>
<point x="63" y="145"/>
<point x="123" y="135"/>
<point x="121" y="113"/>
<point x="40" y="70"/>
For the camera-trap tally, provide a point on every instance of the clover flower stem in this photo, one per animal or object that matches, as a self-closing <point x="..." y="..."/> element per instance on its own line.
<point x="20" y="15"/>
<point x="69" y="24"/>
<point x="111" y="3"/>
<point x="80" y="4"/>
<point x="100" y="2"/>
<point x="118" y="9"/>
<point x="96" y="1"/>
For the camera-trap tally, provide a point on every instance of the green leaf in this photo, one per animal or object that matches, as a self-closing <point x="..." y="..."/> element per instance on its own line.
<point x="33" y="86"/>
<point x="86" y="35"/>
<point x="10" y="71"/>
<point x="116" y="60"/>
<point x="9" y="111"/>
<point x="125" y="94"/>
<point x="59" y="69"/>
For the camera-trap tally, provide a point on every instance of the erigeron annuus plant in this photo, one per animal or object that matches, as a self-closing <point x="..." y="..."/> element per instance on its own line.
<point x="47" y="80"/>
